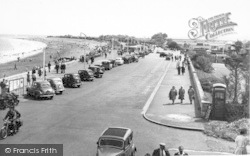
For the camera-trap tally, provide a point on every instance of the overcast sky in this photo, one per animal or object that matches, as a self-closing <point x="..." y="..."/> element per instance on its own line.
<point x="139" y="18"/>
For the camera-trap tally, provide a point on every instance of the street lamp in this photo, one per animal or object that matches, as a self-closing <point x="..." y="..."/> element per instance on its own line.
<point x="84" y="49"/>
<point x="44" y="63"/>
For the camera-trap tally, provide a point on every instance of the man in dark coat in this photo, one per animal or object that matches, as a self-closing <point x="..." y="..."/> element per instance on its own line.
<point x="162" y="151"/>
<point x="181" y="94"/>
<point x="191" y="94"/>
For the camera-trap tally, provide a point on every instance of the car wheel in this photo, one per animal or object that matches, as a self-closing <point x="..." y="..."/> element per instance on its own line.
<point x="51" y="97"/>
<point x="79" y="86"/>
<point x="61" y="92"/>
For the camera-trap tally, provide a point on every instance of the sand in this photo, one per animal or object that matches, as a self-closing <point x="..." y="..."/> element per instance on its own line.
<point x="56" y="48"/>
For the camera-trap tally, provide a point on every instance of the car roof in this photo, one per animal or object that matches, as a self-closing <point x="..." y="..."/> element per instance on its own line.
<point x="42" y="82"/>
<point x="117" y="132"/>
<point x="54" y="78"/>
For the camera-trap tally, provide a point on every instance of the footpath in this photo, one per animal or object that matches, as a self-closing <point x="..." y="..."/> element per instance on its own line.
<point x="160" y="110"/>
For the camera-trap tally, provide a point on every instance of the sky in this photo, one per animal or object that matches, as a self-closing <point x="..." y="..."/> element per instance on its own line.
<point x="139" y="18"/>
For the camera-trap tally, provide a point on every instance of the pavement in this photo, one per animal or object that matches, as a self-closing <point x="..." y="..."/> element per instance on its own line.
<point x="160" y="110"/>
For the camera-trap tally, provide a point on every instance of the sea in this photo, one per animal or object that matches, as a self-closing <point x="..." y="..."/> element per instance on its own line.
<point x="13" y="47"/>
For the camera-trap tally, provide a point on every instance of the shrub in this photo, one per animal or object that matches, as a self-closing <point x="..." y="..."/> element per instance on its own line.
<point x="202" y="61"/>
<point x="234" y="112"/>
<point x="207" y="83"/>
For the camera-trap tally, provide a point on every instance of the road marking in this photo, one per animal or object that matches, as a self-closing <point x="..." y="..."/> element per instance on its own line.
<point x="150" y="99"/>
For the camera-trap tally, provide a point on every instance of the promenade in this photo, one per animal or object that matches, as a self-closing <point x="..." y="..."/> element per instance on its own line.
<point x="159" y="108"/>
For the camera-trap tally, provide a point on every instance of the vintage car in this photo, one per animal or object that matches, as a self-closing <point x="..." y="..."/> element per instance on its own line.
<point x="86" y="75"/>
<point x="99" y="64"/>
<point x="119" y="61"/>
<point x="41" y="89"/>
<point x="113" y="62"/>
<point x="98" y="72"/>
<point x="72" y="80"/>
<point x="106" y="64"/>
<point x="135" y="58"/>
<point x="57" y="84"/>
<point x="116" y="141"/>
<point x="127" y="58"/>
<point x="163" y="54"/>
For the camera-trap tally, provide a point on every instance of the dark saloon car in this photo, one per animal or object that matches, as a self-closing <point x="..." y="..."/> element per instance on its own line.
<point x="40" y="89"/>
<point x="127" y="59"/>
<point x="72" y="80"/>
<point x="98" y="72"/>
<point x="57" y="84"/>
<point x="113" y="62"/>
<point x="116" y="141"/>
<point x="86" y="75"/>
<point x="163" y="54"/>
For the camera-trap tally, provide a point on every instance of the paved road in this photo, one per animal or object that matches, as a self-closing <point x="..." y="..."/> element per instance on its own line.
<point x="77" y="117"/>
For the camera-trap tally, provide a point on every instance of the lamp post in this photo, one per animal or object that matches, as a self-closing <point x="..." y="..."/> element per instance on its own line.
<point x="84" y="59"/>
<point x="44" y="64"/>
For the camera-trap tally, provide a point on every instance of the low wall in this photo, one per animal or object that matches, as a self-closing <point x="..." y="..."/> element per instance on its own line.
<point x="200" y="103"/>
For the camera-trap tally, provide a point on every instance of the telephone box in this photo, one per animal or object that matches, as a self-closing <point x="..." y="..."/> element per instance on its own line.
<point x="218" y="102"/>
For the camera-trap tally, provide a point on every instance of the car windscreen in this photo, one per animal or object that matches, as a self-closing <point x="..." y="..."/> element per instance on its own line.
<point x="76" y="76"/>
<point x="45" y="85"/>
<point x="111" y="142"/>
<point x="58" y="81"/>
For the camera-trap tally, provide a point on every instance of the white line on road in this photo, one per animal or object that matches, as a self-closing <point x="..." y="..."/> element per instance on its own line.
<point x="150" y="99"/>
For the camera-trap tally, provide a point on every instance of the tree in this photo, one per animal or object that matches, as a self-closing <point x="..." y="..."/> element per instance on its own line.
<point x="235" y="63"/>
<point x="173" y="45"/>
<point x="159" y="39"/>
<point x="238" y="46"/>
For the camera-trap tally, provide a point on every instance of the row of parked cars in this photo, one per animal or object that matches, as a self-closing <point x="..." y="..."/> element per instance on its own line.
<point x="55" y="85"/>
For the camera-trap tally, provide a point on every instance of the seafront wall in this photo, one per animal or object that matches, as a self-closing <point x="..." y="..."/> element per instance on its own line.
<point x="200" y="101"/>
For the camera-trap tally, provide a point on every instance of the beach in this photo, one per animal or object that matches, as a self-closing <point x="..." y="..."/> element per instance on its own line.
<point x="11" y="49"/>
<point x="54" y="48"/>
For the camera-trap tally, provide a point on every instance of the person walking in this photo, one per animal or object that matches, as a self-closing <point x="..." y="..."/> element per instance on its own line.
<point x="15" y="67"/>
<point x="162" y="151"/>
<point x="178" y="66"/>
<point x="241" y="142"/>
<point x="92" y="60"/>
<point x="105" y="55"/>
<point x="181" y="94"/>
<point x="183" y="67"/>
<point x="57" y="67"/>
<point x="33" y="77"/>
<point x="28" y="79"/>
<point x="181" y="152"/>
<point x="62" y="67"/>
<point x="40" y="72"/>
<point x="49" y="66"/>
<point x="173" y="94"/>
<point x="191" y="94"/>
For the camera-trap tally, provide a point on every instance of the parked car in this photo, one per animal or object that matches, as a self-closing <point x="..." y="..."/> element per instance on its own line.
<point x="116" y="141"/>
<point x="72" y="80"/>
<point x="119" y="61"/>
<point x="114" y="64"/>
<point x="99" y="64"/>
<point x="134" y="58"/>
<point x="57" y="84"/>
<point x="106" y="64"/>
<point x="98" y="72"/>
<point x="40" y="89"/>
<point x="86" y="75"/>
<point x="127" y="58"/>
<point x="168" y="57"/>
<point x="163" y="54"/>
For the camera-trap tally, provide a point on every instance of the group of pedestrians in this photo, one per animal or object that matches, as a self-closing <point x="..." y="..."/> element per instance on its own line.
<point x="173" y="94"/>
<point x="58" y="66"/>
<point x="163" y="151"/>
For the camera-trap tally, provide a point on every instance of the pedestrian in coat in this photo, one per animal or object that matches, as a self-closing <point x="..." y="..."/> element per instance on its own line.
<point x="57" y="67"/>
<point x="92" y="60"/>
<point x="181" y="94"/>
<point x="183" y="68"/>
<point x="28" y="78"/>
<point x="40" y="72"/>
<point x="105" y="55"/>
<point x="49" y="66"/>
<point x="191" y="94"/>
<point x="33" y="77"/>
<point x="241" y="142"/>
<point x="173" y="94"/>
<point x="178" y="66"/>
<point x="162" y="151"/>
